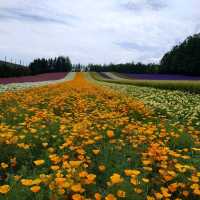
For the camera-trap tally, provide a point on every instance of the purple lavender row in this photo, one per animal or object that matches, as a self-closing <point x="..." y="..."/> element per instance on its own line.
<point x="160" y="77"/>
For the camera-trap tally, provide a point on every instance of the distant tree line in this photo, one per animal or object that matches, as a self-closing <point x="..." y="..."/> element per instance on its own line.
<point x="126" y="68"/>
<point x="182" y="59"/>
<point x="60" y="64"/>
<point x="38" y="66"/>
<point x="78" y="67"/>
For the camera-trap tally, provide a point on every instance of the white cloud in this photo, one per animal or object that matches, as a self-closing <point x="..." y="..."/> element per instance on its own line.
<point x="95" y="31"/>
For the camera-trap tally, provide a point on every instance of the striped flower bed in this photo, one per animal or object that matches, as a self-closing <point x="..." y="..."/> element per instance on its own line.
<point x="192" y="86"/>
<point x="19" y="86"/>
<point x="158" y="76"/>
<point x="36" y="78"/>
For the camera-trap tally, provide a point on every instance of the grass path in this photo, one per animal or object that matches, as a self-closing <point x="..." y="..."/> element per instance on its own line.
<point x="78" y="140"/>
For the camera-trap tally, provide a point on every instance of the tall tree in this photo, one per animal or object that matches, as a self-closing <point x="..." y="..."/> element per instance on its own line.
<point x="183" y="58"/>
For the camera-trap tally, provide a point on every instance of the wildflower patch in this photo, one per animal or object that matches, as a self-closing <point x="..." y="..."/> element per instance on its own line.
<point x="78" y="140"/>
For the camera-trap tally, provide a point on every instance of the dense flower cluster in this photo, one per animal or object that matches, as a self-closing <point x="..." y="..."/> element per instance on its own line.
<point x="77" y="140"/>
<point x="177" y="106"/>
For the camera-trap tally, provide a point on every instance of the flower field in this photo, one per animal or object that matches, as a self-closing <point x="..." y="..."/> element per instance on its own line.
<point x="36" y="78"/>
<point x="81" y="140"/>
<point x="35" y="83"/>
<point x="192" y="85"/>
<point x="176" y="106"/>
<point x="159" y="76"/>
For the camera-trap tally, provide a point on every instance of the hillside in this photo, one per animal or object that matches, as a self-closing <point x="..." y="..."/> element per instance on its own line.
<point x="12" y="70"/>
<point x="9" y="64"/>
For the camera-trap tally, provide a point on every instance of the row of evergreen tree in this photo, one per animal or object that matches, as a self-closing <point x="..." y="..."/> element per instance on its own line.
<point x="38" y="66"/>
<point x="60" y="64"/>
<point x="126" y="68"/>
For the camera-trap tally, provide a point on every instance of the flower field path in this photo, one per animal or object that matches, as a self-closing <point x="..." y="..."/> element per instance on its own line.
<point x="79" y="140"/>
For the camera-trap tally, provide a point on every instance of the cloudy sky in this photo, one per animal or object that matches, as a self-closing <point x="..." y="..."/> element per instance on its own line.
<point x="95" y="31"/>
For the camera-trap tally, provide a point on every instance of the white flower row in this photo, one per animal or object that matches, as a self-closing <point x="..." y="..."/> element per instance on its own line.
<point x="177" y="106"/>
<point x="113" y="76"/>
<point x="18" y="86"/>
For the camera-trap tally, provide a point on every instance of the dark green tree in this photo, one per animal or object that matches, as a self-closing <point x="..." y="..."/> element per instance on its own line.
<point x="183" y="58"/>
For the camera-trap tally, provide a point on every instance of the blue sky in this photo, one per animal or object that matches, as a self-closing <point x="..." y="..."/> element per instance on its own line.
<point x="91" y="31"/>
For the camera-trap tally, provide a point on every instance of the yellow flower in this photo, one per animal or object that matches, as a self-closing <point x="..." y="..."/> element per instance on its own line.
<point x="195" y="186"/>
<point x="66" y="165"/>
<point x="77" y="188"/>
<point x="61" y="191"/>
<point x="134" y="180"/>
<point x="158" y="195"/>
<point x="95" y="151"/>
<point x="146" y="180"/>
<point x="148" y="169"/>
<point x="97" y="196"/>
<point x="165" y="192"/>
<point x="75" y="164"/>
<point x="90" y="178"/>
<point x="35" y="189"/>
<point x="27" y="182"/>
<point x="110" y="197"/>
<point x="167" y="177"/>
<point x="36" y="181"/>
<point x="24" y="146"/>
<point x="39" y="162"/>
<point x="102" y="168"/>
<point x="150" y="198"/>
<point x="44" y="144"/>
<point x="132" y="173"/>
<point x="4" y="165"/>
<point x="185" y="193"/>
<point x="135" y="172"/>
<point x="4" y="189"/>
<point x="110" y="133"/>
<point x="55" y="167"/>
<point x="51" y="149"/>
<point x="116" y="178"/>
<point x="121" y="194"/>
<point x="173" y="187"/>
<point x="45" y="178"/>
<point x="17" y="177"/>
<point x="77" y="197"/>
<point x="197" y="192"/>
<point x="128" y="172"/>
<point x="138" y="190"/>
<point x="32" y="130"/>
<point x="146" y="162"/>
<point x="60" y="181"/>
<point x="195" y="179"/>
<point x="83" y="174"/>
